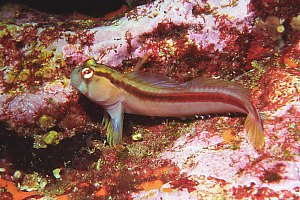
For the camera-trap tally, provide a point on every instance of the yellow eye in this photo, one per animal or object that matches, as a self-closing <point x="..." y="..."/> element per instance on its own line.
<point x="87" y="73"/>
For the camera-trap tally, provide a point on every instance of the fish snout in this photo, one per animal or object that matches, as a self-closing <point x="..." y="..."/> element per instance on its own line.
<point x="75" y="77"/>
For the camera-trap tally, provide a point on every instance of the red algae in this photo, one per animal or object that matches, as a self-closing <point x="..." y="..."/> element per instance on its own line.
<point x="184" y="183"/>
<point x="266" y="8"/>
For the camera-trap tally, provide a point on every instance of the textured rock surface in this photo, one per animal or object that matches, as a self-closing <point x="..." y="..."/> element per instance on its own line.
<point x="258" y="48"/>
<point x="39" y="53"/>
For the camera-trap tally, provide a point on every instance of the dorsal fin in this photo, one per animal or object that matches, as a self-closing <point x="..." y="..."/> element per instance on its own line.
<point x="146" y="80"/>
<point x="205" y="83"/>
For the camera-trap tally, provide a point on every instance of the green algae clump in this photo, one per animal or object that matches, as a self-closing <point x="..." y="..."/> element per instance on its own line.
<point x="52" y="138"/>
<point x="56" y="173"/>
<point x="137" y="150"/>
<point x="33" y="182"/>
<point x="137" y="135"/>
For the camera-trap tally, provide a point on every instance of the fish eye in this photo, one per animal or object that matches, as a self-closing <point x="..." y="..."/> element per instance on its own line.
<point x="87" y="73"/>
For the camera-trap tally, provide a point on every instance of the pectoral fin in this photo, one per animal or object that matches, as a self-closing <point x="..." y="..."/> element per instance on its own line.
<point x="113" y="122"/>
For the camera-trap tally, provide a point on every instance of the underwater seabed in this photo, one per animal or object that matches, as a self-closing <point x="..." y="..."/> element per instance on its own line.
<point x="52" y="143"/>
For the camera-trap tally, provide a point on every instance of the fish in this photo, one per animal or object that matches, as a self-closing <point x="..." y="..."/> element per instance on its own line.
<point x="149" y="94"/>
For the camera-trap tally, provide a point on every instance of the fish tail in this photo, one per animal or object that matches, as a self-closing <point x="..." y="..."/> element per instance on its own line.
<point x="254" y="130"/>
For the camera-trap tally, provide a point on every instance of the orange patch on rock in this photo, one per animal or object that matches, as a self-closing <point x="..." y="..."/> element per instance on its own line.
<point x="228" y="136"/>
<point x="15" y="192"/>
<point x="147" y="173"/>
<point x="151" y="185"/>
<point x="62" y="197"/>
<point x="168" y="190"/>
<point x="83" y="184"/>
<point x="102" y="192"/>
<point x="290" y="62"/>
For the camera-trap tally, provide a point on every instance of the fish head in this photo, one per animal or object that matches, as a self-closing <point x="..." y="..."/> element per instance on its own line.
<point x="88" y="80"/>
<point x="83" y="75"/>
<point x="79" y="81"/>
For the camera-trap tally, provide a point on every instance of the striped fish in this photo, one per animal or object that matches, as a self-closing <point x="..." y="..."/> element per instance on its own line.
<point x="148" y="94"/>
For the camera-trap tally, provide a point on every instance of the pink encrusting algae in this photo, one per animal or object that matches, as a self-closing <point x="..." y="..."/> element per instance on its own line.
<point x="53" y="144"/>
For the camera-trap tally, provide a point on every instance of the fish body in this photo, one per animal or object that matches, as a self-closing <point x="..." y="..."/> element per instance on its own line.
<point x="147" y="94"/>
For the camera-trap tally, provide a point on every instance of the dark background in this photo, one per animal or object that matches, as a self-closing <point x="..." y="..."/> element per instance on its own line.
<point x="93" y="8"/>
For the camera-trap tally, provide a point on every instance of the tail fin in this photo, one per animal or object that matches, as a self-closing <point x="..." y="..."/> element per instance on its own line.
<point x="255" y="131"/>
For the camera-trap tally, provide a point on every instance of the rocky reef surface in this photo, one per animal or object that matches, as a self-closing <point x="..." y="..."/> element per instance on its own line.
<point x="51" y="144"/>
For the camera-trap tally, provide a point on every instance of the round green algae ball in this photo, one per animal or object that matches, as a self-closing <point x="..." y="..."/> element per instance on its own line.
<point x="56" y="173"/>
<point x="18" y="174"/>
<point x="52" y="137"/>
<point x="137" y="136"/>
<point x="280" y="29"/>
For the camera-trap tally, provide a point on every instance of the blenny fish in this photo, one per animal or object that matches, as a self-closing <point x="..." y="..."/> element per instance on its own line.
<point x="142" y="93"/>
